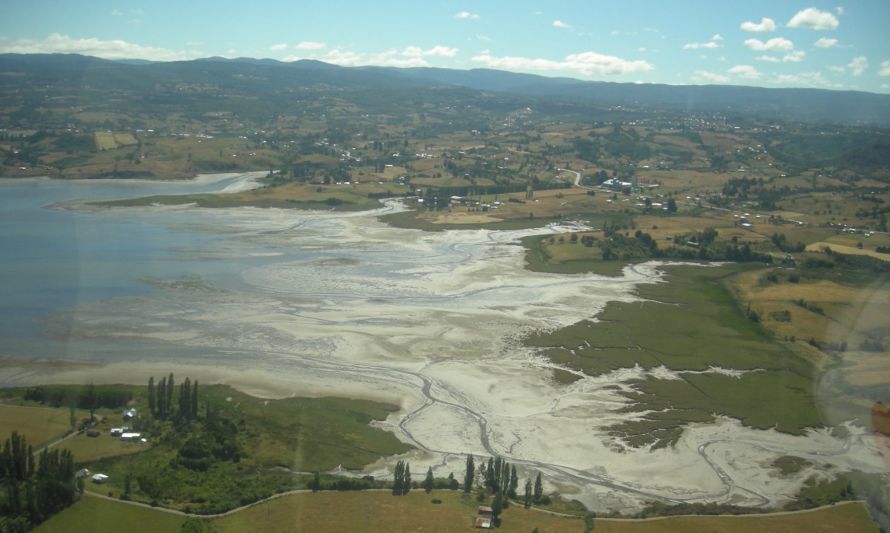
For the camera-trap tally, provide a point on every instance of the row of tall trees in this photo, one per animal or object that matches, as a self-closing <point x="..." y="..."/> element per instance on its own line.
<point x="34" y="489"/>
<point x="501" y="479"/>
<point x="401" y="482"/>
<point x="161" y="396"/>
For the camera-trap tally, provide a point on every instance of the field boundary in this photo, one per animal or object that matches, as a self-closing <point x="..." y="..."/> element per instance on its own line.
<point x="177" y="512"/>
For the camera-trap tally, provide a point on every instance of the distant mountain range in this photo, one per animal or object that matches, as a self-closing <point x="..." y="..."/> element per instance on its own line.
<point x="268" y="75"/>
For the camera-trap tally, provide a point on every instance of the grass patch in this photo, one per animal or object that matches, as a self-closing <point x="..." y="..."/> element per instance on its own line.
<point x="411" y="220"/>
<point x="88" y="449"/>
<point x="379" y="511"/>
<point x="38" y="425"/>
<point x="273" y="438"/>
<point x="788" y="465"/>
<point x="290" y="196"/>
<point x="692" y="324"/>
<point x="92" y="515"/>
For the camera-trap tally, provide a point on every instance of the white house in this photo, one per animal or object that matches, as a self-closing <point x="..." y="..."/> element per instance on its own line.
<point x="99" y="478"/>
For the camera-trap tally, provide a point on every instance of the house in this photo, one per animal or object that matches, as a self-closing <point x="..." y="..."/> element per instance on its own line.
<point x="116" y="432"/>
<point x="83" y="472"/>
<point x="92" y="432"/>
<point x="129" y="414"/>
<point x="484" y="518"/>
<point x="131" y="436"/>
<point x="99" y="478"/>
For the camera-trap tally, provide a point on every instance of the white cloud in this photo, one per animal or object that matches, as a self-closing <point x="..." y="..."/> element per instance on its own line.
<point x="769" y="59"/>
<point x="814" y="19"/>
<point x="794" y="57"/>
<point x="858" y="65"/>
<point x="117" y="13"/>
<point x="412" y="56"/>
<point x="436" y="51"/>
<point x="277" y="47"/>
<point x="585" y="63"/>
<point x="776" y="43"/>
<point x="560" y="24"/>
<point x="310" y="45"/>
<point x="112" y="49"/>
<point x="466" y="15"/>
<point x="837" y="68"/>
<point x="745" y="71"/>
<point x="826" y="42"/>
<point x="885" y="69"/>
<point x="765" y="24"/>
<point x="704" y="75"/>
<point x="805" y="79"/>
<point x="839" y="10"/>
<point x="713" y="42"/>
<point x="483" y="37"/>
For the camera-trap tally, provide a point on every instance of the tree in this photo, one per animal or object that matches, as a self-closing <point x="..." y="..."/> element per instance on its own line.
<point x="91" y="401"/>
<point x="151" y="395"/>
<point x="527" y="499"/>
<point x="194" y="405"/>
<point x="315" y="485"/>
<point x="185" y="401"/>
<point x="514" y="482"/>
<point x="397" y="478"/>
<point x="169" y="400"/>
<point x="162" y="398"/>
<point x="428" y="481"/>
<point x="588" y="522"/>
<point x="470" y="475"/>
<point x="672" y="205"/>
<point x="497" y="507"/>
<point x="406" y="481"/>
<point x="128" y="482"/>
<point x="539" y="489"/>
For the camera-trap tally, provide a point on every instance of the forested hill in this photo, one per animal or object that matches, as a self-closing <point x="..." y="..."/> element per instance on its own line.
<point x="812" y="105"/>
<point x="215" y="78"/>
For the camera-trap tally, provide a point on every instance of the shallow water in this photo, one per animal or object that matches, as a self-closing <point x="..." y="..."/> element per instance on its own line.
<point x="299" y="302"/>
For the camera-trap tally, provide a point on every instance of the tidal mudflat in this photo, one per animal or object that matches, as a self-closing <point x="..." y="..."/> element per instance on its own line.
<point x="286" y="302"/>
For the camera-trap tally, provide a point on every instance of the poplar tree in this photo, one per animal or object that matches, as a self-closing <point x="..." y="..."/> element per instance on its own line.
<point x="514" y="482"/>
<point x="527" y="500"/>
<point x="397" y="478"/>
<point x="428" y="482"/>
<point x="539" y="489"/>
<point x="470" y="475"/>
<point x="194" y="405"/>
<point x="406" y="482"/>
<point x="162" y="398"/>
<point x="151" y="395"/>
<point x="169" y="400"/>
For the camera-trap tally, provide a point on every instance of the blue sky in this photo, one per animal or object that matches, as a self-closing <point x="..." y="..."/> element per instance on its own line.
<point x="775" y="43"/>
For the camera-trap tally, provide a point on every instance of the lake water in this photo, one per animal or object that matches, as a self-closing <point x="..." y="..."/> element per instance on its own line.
<point x="55" y="258"/>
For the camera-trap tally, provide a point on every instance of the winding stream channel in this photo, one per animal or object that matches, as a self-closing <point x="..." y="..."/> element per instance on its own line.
<point x="297" y="303"/>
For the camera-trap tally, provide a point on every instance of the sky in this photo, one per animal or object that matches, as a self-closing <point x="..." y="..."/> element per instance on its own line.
<point x="769" y="43"/>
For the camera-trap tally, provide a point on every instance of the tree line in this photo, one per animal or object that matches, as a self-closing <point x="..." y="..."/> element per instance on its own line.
<point x="35" y="488"/>
<point x="161" y="399"/>
<point x="500" y="479"/>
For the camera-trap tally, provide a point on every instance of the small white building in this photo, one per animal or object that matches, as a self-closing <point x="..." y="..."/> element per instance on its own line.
<point x="99" y="478"/>
<point x="131" y="436"/>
